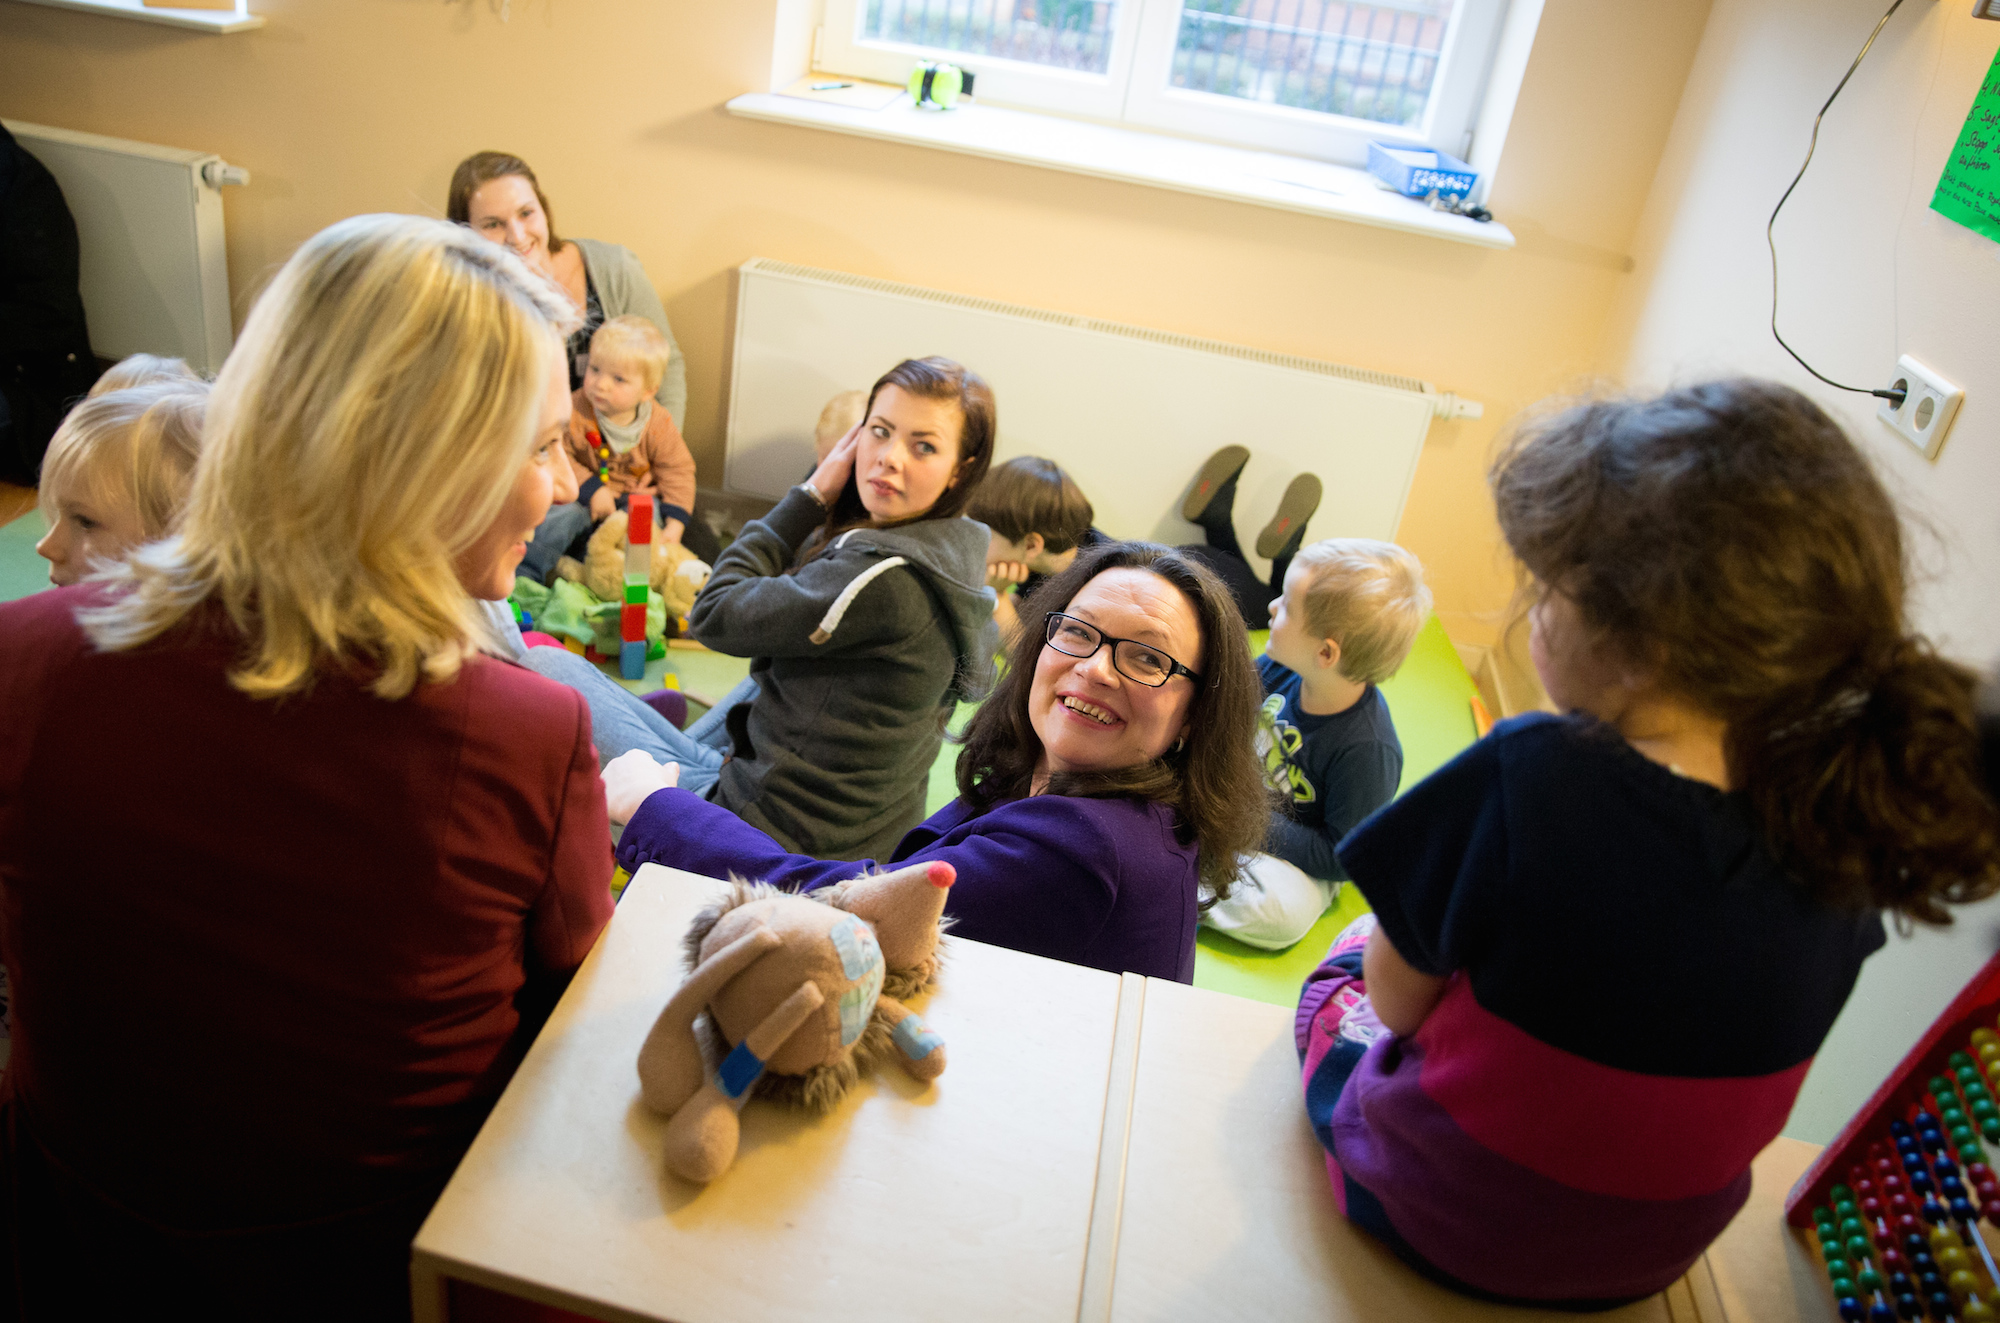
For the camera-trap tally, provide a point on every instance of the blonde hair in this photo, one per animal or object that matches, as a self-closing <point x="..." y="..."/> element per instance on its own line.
<point x="135" y="446"/>
<point x="838" y="418"/>
<point x="1367" y="596"/>
<point x="365" y="431"/>
<point x="636" y="341"/>
<point x="139" y="369"/>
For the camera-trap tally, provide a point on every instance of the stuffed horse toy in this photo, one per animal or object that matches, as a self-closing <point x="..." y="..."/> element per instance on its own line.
<point x="791" y="997"/>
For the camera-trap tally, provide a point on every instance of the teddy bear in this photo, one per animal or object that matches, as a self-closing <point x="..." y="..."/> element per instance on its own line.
<point x="791" y="997"/>
<point x="678" y="575"/>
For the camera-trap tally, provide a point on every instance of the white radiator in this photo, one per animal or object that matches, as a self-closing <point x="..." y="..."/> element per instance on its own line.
<point x="149" y="222"/>
<point x="1130" y="413"/>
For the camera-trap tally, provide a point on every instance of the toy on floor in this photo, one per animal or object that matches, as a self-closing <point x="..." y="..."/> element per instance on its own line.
<point x="1897" y="1199"/>
<point x="792" y="997"/>
<point x="638" y="572"/>
<point x="674" y="572"/>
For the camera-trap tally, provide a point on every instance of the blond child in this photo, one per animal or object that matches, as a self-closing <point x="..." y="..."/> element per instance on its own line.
<point x="115" y="475"/>
<point x="620" y="441"/>
<point x="1347" y="618"/>
<point x="143" y="369"/>
<point x="117" y="472"/>
<point x="841" y="415"/>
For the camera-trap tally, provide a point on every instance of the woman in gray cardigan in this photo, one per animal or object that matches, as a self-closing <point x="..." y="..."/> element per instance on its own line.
<point x="497" y="195"/>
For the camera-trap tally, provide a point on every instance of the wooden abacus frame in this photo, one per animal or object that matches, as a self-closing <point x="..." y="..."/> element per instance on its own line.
<point x="1976" y="1006"/>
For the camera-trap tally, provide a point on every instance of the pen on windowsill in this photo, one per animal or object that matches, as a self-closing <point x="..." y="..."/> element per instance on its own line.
<point x="828" y="87"/>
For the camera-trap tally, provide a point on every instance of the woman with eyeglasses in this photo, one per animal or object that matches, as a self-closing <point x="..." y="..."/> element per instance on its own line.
<point x="1110" y="774"/>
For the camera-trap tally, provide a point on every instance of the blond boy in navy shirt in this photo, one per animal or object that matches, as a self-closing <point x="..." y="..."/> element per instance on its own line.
<point x="1346" y="620"/>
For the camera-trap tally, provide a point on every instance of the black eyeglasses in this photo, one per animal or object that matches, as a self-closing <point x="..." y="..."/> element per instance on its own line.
<point x="1139" y="662"/>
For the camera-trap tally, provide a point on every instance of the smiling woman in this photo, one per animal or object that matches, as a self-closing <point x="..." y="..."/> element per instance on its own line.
<point x="1110" y="774"/>
<point x="497" y="196"/>
<point x="350" y="860"/>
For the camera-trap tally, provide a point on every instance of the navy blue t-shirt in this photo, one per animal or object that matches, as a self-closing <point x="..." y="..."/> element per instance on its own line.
<point x="1332" y="770"/>
<point x="1626" y="960"/>
<point x="1609" y="906"/>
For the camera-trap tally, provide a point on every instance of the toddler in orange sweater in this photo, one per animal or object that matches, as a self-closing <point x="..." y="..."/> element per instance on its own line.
<point x="620" y="441"/>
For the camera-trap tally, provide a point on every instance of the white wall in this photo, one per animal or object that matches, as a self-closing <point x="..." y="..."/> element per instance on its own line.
<point x="1869" y="272"/>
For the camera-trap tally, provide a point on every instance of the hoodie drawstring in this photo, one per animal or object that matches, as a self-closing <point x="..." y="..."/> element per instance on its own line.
<point x="831" y="621"/>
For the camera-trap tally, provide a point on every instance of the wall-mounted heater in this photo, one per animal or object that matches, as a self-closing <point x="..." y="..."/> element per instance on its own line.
<point x="1130" y="413"/>
<point x="149" y="222"/>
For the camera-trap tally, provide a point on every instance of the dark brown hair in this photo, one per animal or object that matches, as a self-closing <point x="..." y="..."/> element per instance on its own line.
<point x="1033" y="495"/>
<point x="932" y="379"/>
<point x="1213" y="782"/>
<point x="1729" y="538"/>
<point x="483" y="168"/>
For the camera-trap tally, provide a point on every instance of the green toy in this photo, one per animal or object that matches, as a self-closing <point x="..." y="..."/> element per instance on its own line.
<point x="939" y="85"/>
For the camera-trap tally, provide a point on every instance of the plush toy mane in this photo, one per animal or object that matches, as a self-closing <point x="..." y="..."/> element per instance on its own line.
<point x="821" y="1088"/>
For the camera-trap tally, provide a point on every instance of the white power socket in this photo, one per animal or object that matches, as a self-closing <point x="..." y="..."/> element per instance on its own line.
<point x="1928" y="408"/>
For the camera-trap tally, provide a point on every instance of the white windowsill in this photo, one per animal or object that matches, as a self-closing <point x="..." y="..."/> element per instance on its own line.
<point x="1264" y="179"/>
<point x="201" y="20"/>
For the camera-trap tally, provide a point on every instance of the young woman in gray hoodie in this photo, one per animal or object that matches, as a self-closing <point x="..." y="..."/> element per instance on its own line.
<point x="862" y="600"/>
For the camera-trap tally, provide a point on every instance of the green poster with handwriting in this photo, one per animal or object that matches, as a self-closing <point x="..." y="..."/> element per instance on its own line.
<point x="1969" y="189"/>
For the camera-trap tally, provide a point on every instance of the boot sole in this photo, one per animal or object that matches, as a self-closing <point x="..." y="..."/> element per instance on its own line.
<point x="1300" y="501"/>
<point x="1223" y="465"/>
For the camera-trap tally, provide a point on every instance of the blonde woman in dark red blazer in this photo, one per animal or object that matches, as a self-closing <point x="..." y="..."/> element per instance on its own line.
<point x="288" y="870"/>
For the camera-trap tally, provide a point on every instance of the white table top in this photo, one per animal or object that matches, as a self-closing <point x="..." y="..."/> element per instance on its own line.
<point x="1098" y="1149"/>
<point x="969" y="1199"/>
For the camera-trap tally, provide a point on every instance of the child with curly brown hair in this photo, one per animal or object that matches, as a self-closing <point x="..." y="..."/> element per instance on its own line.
<point x="1639" y="919"/>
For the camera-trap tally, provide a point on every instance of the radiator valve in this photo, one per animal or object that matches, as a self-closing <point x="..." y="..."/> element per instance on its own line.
<point x="219" y="174"/>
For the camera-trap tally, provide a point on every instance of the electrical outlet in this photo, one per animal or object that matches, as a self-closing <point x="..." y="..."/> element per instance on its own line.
<point x="1928" y="407"/>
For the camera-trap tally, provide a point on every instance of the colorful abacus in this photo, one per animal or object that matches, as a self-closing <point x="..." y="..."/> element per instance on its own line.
<point x="1900" y="1237"/>
<point x="638" y="572"/>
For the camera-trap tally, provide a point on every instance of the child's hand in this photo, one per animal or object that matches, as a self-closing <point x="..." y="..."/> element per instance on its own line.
<point x="633" y="776"/>
<point x="830" y="478"/>
<point x="1004" y="574"/>
<point x="602" y="502"/>
<point x="1008" y="619"/>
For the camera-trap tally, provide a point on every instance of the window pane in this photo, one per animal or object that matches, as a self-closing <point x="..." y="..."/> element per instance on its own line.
<point x="1064" y="34"/>
<point x="1340" y="57"/>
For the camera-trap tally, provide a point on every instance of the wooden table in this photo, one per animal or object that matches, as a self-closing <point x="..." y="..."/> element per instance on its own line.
<point x="1227" y="1212"/>
<point x="1101" y="1148"/>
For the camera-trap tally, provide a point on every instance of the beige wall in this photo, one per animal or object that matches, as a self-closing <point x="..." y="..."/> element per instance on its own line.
<point x="1869" y="272"/>
<point x="366" y="105"/>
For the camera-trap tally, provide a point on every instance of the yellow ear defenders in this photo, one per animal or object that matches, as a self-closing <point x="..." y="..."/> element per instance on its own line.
<point x="939" y="85"/>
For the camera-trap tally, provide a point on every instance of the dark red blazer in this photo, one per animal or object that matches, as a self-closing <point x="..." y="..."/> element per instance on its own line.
<point x="272" y="961"/>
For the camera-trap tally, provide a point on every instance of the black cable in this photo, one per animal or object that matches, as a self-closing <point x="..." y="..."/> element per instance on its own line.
<point x="1891" y="394"/>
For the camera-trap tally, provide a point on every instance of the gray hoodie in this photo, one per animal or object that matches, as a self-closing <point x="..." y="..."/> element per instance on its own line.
<point x="860" y="658"/>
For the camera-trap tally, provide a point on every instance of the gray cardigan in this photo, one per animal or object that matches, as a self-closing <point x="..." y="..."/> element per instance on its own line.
<point x="623" y="289"/>
<point x="860" y="656"/>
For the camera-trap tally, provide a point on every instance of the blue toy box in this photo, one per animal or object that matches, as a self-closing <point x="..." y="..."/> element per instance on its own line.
<point x="1419" y="171"/>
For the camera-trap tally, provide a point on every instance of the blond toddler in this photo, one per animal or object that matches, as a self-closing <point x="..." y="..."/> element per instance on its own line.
<point x="117" y="472"/>
<point x="620" y="441"/>
<point x="1346" y="620"/>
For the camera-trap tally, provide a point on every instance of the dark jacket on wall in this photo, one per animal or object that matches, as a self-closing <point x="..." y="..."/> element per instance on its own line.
<point x="860" y="657"/>
<point x="45" y="358"/>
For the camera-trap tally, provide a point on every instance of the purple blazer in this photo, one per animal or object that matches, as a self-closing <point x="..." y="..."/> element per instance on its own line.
<point x="1099" y="882"/>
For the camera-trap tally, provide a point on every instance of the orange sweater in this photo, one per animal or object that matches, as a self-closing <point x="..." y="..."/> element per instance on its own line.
<point x="661" y="461"/>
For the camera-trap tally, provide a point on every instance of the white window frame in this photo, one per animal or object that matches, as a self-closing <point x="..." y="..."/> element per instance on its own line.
<point x="1134" y="89"/>
<point x="1001" y="82"/>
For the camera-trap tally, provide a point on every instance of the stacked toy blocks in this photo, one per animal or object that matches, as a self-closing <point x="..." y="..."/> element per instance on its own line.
<point x="638" y="572"/>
